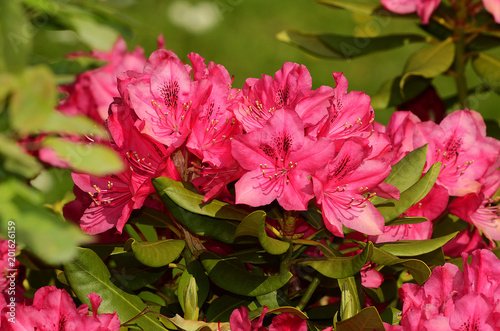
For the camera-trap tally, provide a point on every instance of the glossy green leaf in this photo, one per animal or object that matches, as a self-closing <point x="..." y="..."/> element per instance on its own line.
<point x="156" y="253"/>
<point x="343" y="47"/>
<point x="254" y="225"/>
<point x="367" y="319"/>
<point x="200" y="224"/>
<point x="417" y="268"/>
<point x="339" y="267"/>
<point x="392" y="208"/>
<point x="16" y="35"/>
<point x="232" y="275"/>
<point x="313" y="217"/>
<point x="276" y="300"/>
<point x="187" y="325"/>
<point x="390" y="93"/>
<point x="95" y="159"/>
<point x="221" y="308"/>
<point x="193" y="202"/>
<point x="44" y="233"/>
<point x="430" y="61"/>
<point x="406" y="220"/>
<point x="391" y="315"/>
<point x="415" y="247"/>
<point x="350" y="305"/>
<point x="87" y="274"/>
<point x="487" y="67"/>
<point x="32" y="103"/>
<point x="195" y="270"/>
<point x="406" y="172"/>
<point x="364" y="7"/>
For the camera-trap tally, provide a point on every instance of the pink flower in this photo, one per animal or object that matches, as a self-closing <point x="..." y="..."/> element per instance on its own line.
<point x="239" y="320"/>
<point x="493" y="6"/>
<point x="94" y="90"/>
<point x="424" y="8"/>
<point x="164" y="98"/>
<point x="290" y="88"/>
<point x="455" y="300"/>
<point x="279" y="161"/>
<point x="341" y="186"/>
<point x="53" y="309"/>
<point x="481" y="209"/>
<point x="459" y="142"/>
<point x="287" y="322"/>
<point x="349" y="114"/>
<point x="106" y="202"/>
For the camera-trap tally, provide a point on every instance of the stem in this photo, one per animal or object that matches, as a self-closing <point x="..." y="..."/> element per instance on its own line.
<point x="460" y="58"/>
<point x="309" y="292"/>
<point x="289" y="223"/>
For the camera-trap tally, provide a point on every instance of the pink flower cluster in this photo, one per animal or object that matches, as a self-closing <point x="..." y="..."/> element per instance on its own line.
<point x="276" y="137"/>
<point x="53" y="309"/>
<point x="453" y="299"/>
<point x="425" y="8"/>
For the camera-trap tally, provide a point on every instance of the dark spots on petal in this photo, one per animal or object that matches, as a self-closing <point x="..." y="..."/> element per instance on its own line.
<point x="282" y="96"/>
<point x="170" y="93"/>
<point x="268" y="150"/>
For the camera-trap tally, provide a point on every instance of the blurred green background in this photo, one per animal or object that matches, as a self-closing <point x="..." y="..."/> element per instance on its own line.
<point x="241" y="35"/>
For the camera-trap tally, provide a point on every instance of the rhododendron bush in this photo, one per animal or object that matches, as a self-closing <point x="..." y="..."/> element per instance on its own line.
<point x="197" y="204"/>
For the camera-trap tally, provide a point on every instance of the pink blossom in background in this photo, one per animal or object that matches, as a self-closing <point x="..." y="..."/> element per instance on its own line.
<point x="453" y="299"/>
<point x="94" y="90"/>
<point x="493" y="7"/>
<point x="459" y="142"/>
<point x="428" y="106"/>
<point x="481" y="209"/>
<point x="54" y="309"/>
<point x="240" y="321"/>
<point x="424" y="8"/>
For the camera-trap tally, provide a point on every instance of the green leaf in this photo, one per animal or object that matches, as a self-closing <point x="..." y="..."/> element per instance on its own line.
<point x="95" y="159"/>
<point x="255" y="225"/>
<point x="487" y="67"/>
<point x="195" y="270"/>
<point x="156" y="253"/>
<point x="363" y="7"/>
<point x="415" y="247"/>
<point x="417" y="268"/>
<point x="191" y="309"/>
<point x="200" y="224"/>
<point x="392" y="208"/>
<point x="87" y="274"/>
<point x="16" y="36"/>
<point x="221" y="308"/>
<point x="193" y="202"/>
<point x="343" y="47"/>
<point x="406" y="220"/>
<point x="406" y="172"/>
<point x="313" y="217"/>
<point x="95" y="35"/>
<point x="232" y="275"/>
<point x="188" y="325"/>
<point x="367" y="319"/>
<point x="391" y="315"/>
<point x="391" y="95"/>
<point x="33" y="101"/>
<point x="73" y="125"/>
<point x="339" y="267"/>
<point x="48" y="236"/>
<point x="430" y="61"/>
<point x="350" y="304"/>
<point x="16" y="161"/>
